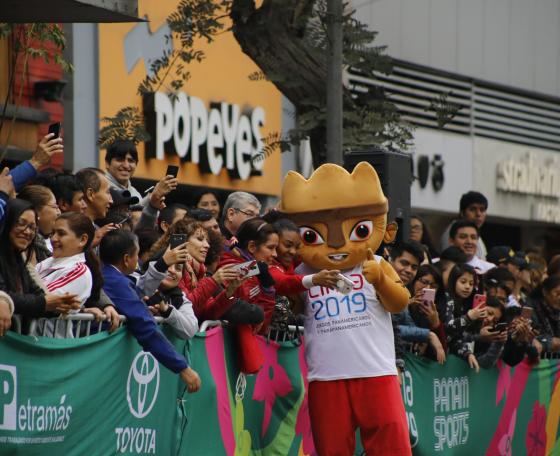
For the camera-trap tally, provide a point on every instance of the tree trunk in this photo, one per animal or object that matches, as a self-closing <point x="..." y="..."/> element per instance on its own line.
<point x="273" y="37"/>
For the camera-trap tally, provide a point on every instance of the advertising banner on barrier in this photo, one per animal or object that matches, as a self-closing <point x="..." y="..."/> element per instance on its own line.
<point x="103" y="395"/>
<point x="100" y="395"/>
<point x="498" y="412"/>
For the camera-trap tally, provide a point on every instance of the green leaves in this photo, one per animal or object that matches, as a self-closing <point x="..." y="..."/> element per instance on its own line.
<point x="128" y="123"/>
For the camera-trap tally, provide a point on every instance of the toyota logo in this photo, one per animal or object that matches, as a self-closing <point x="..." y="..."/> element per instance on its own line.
<point x="143" y="384"/>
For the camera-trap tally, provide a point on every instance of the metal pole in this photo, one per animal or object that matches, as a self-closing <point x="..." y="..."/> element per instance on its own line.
<point x="334" y="82"/>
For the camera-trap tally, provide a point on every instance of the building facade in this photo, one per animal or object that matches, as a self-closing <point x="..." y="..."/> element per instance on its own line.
<point x="498" y="62"/>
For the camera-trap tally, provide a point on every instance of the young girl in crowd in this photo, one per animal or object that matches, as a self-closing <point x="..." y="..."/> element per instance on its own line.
<point x="459" y="314"/>
<point x="73" y="267"/>
<point x="428" y="314"/>
<point x="16" y="242"/>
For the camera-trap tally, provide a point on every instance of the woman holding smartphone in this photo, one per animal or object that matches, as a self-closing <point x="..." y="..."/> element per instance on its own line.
<point x="212" y="296"/>
<point x="427" y="305"/>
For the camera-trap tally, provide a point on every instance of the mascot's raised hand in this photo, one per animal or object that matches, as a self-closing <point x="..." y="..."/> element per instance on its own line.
<point x="372" y="270"/>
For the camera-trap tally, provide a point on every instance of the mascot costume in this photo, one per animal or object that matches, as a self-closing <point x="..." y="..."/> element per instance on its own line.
<point x="349" y="344"/>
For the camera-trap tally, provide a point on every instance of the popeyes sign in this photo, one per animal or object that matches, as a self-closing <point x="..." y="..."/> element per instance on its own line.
<point x="214" y="127"/>
<point x="217" y="137"/>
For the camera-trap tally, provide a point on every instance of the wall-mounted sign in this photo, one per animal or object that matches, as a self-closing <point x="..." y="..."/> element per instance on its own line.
<point x="529" y="175"/>
<point x="520" y="182"/>
<point x="213" y="127"/>
<point x="218" y="137"/>
<point x="443" y="170"/>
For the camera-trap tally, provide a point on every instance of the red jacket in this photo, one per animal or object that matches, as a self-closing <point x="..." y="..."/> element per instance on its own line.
<point x="251" y="290"/>
<point x="286" y="281"/>
<point x="208" y="297"/>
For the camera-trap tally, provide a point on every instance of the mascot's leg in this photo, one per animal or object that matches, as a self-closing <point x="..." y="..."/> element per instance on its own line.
<point x="378" y="407"/>
<point x="331" y="418"/>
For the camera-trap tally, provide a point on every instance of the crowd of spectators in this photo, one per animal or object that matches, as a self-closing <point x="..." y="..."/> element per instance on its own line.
<point x="480" y="304"/>
<point x="91" y="242"/>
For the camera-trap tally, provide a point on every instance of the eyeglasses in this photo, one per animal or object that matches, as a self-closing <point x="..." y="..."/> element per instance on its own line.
<point x="415" y="227"/>
<point x="23" y="226"/>
<point x="427" y="283"/>
<point x="248" y="214"/>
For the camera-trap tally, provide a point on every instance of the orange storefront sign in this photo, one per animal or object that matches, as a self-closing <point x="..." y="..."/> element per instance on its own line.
<point x="213" y="127"/>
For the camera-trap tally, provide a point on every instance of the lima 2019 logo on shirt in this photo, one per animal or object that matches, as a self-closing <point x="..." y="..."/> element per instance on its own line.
<point x="142" y="386"/>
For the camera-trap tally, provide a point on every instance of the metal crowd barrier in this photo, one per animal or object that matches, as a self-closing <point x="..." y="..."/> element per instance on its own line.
<point x="81" y="324"/>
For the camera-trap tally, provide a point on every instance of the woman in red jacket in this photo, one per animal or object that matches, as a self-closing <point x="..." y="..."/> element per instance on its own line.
<point x="257" y="241"/>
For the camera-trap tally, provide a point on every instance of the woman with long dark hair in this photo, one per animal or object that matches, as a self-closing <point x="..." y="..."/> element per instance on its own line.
<point x="545" y="302"/>
<point x="44" y="204"/>
<point x="73" y="268"/>
<point x="16" y="242"/>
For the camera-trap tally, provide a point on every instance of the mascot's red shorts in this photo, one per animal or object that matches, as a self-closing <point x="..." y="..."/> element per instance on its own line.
<point x="373" y="404"/>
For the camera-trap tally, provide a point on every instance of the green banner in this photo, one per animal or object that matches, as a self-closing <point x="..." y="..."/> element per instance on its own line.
<point x="498" y="412"/>
<point x="103" y="395"/>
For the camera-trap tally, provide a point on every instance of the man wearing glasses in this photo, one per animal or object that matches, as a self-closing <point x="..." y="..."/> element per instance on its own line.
<point x="239" y="206"/>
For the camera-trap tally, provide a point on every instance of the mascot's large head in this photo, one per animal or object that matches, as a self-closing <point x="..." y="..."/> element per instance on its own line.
<point x="340" y="215"/>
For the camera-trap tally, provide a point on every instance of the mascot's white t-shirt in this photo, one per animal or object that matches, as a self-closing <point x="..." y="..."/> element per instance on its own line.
<point x="347" y="336"/>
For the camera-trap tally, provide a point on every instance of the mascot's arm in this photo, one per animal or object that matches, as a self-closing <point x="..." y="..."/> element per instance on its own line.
<point x="394" y="295"/>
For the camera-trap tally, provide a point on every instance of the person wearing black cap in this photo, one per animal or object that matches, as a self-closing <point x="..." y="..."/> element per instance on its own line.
<point x="472" y="206"/>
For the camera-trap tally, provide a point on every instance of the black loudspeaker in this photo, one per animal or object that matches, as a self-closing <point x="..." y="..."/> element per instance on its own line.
<point x="395" y="173"/>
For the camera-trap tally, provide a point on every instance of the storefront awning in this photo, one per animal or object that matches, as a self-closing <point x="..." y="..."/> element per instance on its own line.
<point x="61" y="11"/>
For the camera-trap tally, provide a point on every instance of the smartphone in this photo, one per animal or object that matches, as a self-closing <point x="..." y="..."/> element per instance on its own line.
<point x="55" y="128"/>
<point x="479" y="301"/>
<point x="175" y="240"/>
<point x="428" y="295"/>
<point x="247" y="269"/>
<point x="501" y="327"/>
<point x="172" y="170"/>
<point x="156" y="298"/>
<point x="527" y="312"/>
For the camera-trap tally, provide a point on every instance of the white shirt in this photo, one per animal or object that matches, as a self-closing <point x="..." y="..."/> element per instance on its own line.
<point x="347" y="336"/>
<point x="481" y="266"/>
<point x="60" y="276"/>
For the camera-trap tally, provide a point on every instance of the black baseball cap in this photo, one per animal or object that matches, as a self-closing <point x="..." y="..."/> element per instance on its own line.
<point x="123" y="197"/>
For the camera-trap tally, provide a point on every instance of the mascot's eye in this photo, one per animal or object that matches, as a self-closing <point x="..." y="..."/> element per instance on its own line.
<point x="362" y="231"/>
<point x="310" y="237"/>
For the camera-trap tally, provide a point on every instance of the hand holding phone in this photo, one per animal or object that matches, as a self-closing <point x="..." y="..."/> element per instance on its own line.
<point x="55" y="128"/>
<point x="527" y="312"/>
<point x="156" y="298"/>
<point x="428" y="295"/>
<point x="500" y="327"/>
<point x="479" y="301"/>
<point x="172" y="170"/>
<point x="175" y="240"/>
